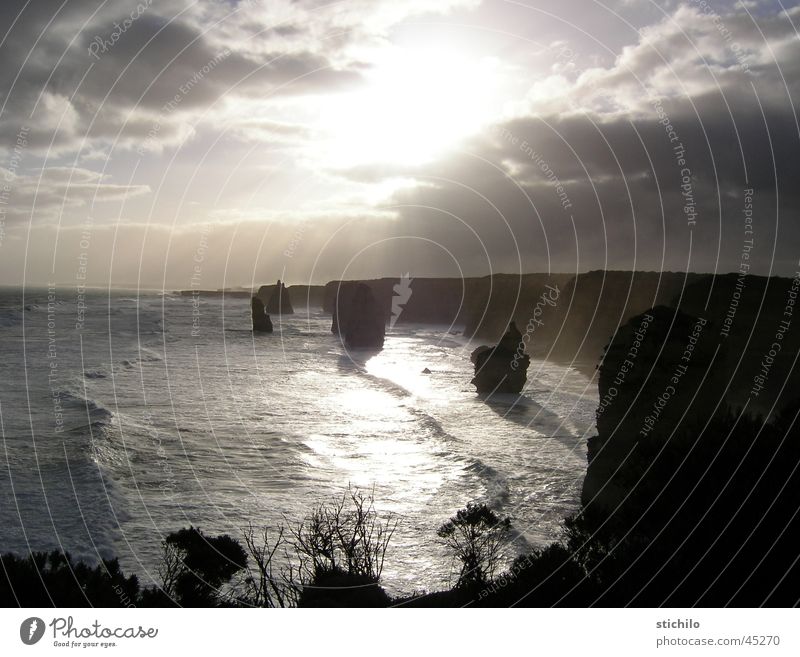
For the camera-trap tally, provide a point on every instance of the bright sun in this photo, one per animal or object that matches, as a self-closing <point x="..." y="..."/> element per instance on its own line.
<point x="416" y="103"/>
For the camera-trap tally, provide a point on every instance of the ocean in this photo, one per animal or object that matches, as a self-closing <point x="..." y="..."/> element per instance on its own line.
<point x="128" y="415"/>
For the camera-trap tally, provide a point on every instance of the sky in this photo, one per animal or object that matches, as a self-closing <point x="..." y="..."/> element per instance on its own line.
<point x="173" y="144"/>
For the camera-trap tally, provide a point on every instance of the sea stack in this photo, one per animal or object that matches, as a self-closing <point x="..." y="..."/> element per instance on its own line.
<point x="261" y="321"/>
<point x="502" y="368"/>
<point x="280" y="303"/>
<point x="358" y="318"/>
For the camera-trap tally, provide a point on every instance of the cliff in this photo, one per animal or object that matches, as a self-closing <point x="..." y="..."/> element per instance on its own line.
<point x="593" y="306"/>
<point x="279" y="302"/>
<point x="563" y="316"/>
<point x="300" y="296"/>
<point x="414" y="300"/>
<point x="668" y="371"/>
<point x="650" y="375"/>
<point x="756" y="322"/>
<point x="494" y="301"/>
<point x="306" y="296"/>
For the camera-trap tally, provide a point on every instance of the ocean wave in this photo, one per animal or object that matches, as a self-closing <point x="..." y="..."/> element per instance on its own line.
<point x="149" y="355"/>
<point x="433" y="425"/>
<point x="146" y="355"/>
<point x="495" y="483"/>
<point x="94" y="374"/>
<point x="346" y="361"/>
<point x="75" y="405"/>
<point x="9" y="317"/>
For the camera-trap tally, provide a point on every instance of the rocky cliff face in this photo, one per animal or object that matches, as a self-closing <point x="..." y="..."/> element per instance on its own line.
<point x="667" y="372"/>
<point x="594" y="305"/>
<point x="300" y="296"/>
<point x="758" y="324"/>
<point x="693" y="476"/>
<point x="651" y="374"/>
<point x="413" y="300"/>
<point x="306" y="296"/>
<point x="494" y="301"/>
<point x="570" y="318"/>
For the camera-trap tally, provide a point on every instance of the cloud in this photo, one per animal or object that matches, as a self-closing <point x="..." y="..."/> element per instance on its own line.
<point x="688" y="54"/>
<point x="618" y="145"/>
<point x="579" y="171"/>
<point x="269" y="130"/>
<point x="54" y="193"/>
<point x="101" y="71"/>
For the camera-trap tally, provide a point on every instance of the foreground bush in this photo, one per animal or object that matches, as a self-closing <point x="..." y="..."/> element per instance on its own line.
<point x="475" y="535"/>
<point x="54" y="580"/>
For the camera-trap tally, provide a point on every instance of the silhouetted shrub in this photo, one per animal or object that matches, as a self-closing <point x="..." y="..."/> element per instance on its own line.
<point x="475" y="535"/>
<point x="548" y="577"/>
<point x="195" y="567"/>
<point x="340" y="589"/>
<point x="54" y="579"/>
<point x="265" y="583"/>
<point x="341" y="548"/>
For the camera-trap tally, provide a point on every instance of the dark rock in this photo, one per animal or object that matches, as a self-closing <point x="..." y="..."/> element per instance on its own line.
<point x="668" y="370"/>
<point x="649" y="378"/>
<point x="686" y="486"/>
<point x="502" y="368"/>
<point x="358" y="318"/>
<point x="343" y="292"/>
<point x="280" y="303"/>
<point x="426" y="371"/>
<point x="261" y="321"/>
